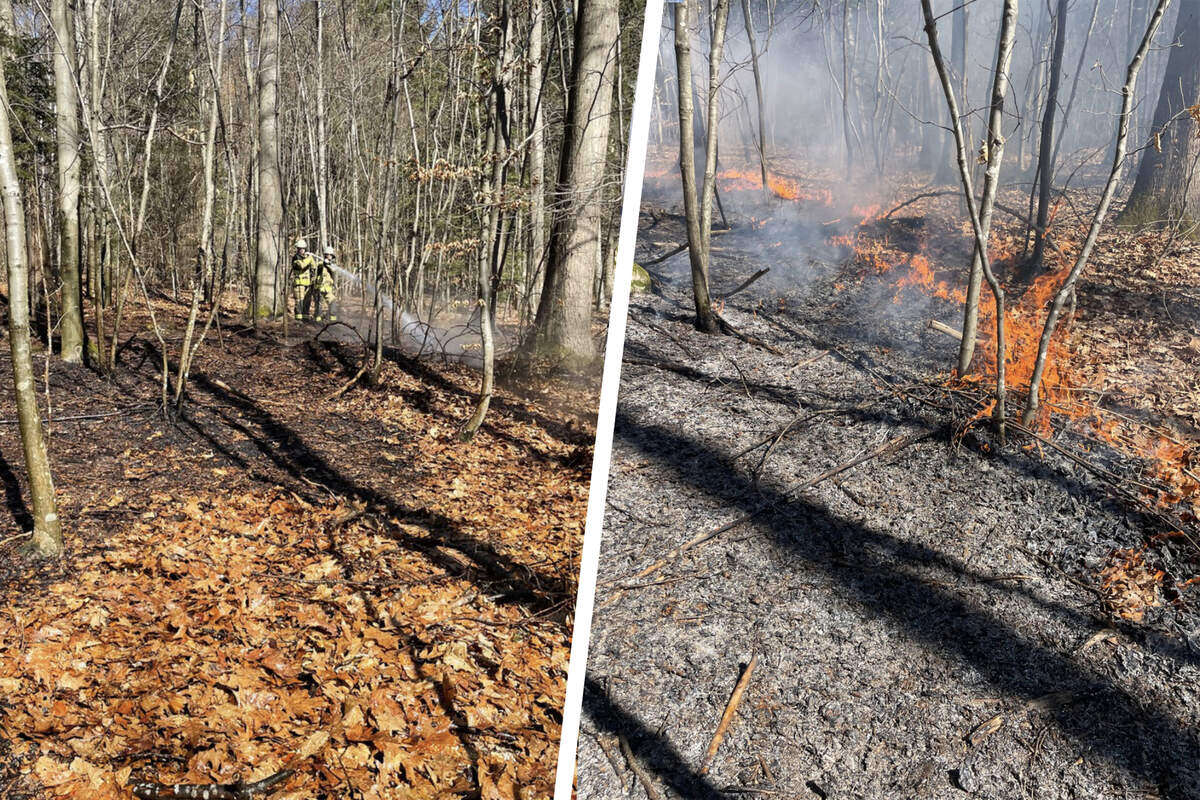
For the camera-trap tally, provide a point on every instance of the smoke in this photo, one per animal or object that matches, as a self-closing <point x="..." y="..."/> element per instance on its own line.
<point x="362" y="307"/>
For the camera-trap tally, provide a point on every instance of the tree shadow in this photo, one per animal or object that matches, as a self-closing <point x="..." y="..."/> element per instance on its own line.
<point x="651" y="748"/>
<point x="882" y="573"/>
<point x="230" y="411"/>
<point x="14" y="499"/>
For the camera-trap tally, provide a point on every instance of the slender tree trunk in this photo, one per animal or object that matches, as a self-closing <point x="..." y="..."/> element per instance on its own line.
<point x="1046" y="146"/>
<point x="964" y="174"/>
<point x="47" y="528"/>
<point x="188" y="351"/>
<point x="958" y="65"/>
<point x="697" y="253"/>
<point x="537" y="148"/>
<point x="1110" y="187"/>
<point x="493" y="192"/>
<point x="847" y="131"/>
<point x="322" y="141"/>
<point x="270" y="198"/>
<point x="1066" y="116"/>
<point x="66" y="102"/>
<point x="758" y="94"/>
<point x="101" y="177"/>
<point x="991" y="180"/>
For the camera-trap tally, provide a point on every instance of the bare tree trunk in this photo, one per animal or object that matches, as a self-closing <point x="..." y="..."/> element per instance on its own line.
<point x="322" y="142"/>
<point x="697" y="243"/>
<point x="964" y="174"/>
<point x="991" y="181"/>
<point x="66" y="102"/>
<point x="537" y="148"/>
<point x="1165" y="189"/>
<point x="1046" y="147"/>
<point x="1110" y="188"/>
<point x="188" y="351"/>
<point x="577" y="236"/>
<point x="958" y="58"/>
<point x="847" y="132"/>
<point x="47" y="528"/>
<point x="758" y="93"/>
<point x="493" y="192"/>
<point x="1066" y="116"/>
<point x="270" y="200"/>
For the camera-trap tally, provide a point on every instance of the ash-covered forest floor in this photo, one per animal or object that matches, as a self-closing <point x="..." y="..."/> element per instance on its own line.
<point x="932" y="623"/>
<point x="283" y="578"/>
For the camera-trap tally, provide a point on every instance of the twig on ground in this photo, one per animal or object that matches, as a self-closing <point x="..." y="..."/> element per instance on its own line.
<point x="651" y="791"/>
<point x="345" y="386"/>
<point x="658" y="328"/>
<point x="727" y="718"/>
<point x="676" y="250"/>
<point x="806" y="362"/>
<point x="1055" y="568"/>
<point x="613" y="761"/>
<point x="13" y="538"/>
<point x="82" y="417"/>
<point x="745" y="337"/>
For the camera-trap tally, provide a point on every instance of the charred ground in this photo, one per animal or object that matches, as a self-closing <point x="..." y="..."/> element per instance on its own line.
<point x="950" y="618"/>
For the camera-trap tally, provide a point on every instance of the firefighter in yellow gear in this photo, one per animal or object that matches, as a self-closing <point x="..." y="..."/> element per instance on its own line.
<point x="323" y="285"/>
<point x="304" y="267"/>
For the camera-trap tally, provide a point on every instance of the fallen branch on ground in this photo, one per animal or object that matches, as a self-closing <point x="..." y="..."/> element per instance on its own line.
<point x="941" y="327"/>
<point x="677" y="250"/>
<point x="345" y="386"/>
<point x="729" y="330"/>
<point x="745" y="284"/>
<point x="727" y="718"/>
<point x="651" y="790"/>
<point x="215" y="791"/>
<point x="658" y="328"/>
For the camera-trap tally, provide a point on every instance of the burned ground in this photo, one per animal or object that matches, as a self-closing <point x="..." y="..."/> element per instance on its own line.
<point x="930" y="623"/>
<point x="282" y="576"/>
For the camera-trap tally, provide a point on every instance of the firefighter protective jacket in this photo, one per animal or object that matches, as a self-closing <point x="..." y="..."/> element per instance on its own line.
<point x="303" y="269"/>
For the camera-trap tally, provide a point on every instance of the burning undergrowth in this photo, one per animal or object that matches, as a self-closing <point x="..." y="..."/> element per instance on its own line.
<point x="1078" y="391"/>
<point x="1120" y="380"/>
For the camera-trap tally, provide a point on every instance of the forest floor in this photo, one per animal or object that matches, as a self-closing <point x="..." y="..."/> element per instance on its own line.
<point x="947" y="618"/>
<point x="285" y="578"/>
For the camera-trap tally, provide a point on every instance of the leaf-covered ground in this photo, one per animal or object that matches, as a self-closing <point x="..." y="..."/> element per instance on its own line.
<point x="279" y="579"/>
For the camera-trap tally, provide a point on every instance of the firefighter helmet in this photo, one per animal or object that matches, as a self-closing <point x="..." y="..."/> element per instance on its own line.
<point x="328" y="250"/>
<point x="301" y="244"/>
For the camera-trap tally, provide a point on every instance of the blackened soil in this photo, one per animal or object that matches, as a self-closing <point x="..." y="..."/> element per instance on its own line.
<point x="941" y="591"/>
